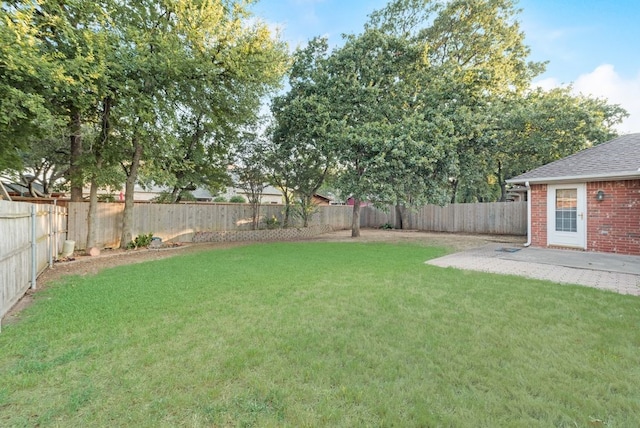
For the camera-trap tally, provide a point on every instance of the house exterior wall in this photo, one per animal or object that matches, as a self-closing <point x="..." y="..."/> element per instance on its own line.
<point x="539" y="215"/>
<point x="613" y="225"/>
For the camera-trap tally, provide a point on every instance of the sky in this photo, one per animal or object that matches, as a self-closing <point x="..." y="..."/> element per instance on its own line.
<point x="594" y="45"/>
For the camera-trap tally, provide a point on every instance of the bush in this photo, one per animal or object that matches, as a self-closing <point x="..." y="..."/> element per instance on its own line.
<point x="219" y="199"/>
<point x="109" y="197"/>
<point x="140" y="241"/>
<point x="386" y="226"/>
<point x="271" y="222"/>
<point x="165" y="197"/>
<point x="237" y="199"/>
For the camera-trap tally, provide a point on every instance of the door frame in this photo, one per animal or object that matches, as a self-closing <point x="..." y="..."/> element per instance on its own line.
<point x="577" y="239"/>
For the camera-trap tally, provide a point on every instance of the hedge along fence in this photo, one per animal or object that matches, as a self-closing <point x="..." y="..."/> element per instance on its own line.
<point x="31" y="237"/>
<point x="181" y="222"/>
<point x="504" y="218"/>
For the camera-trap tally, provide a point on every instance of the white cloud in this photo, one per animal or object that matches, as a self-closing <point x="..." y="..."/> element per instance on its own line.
<point x="547" y="84"/>
<point x="605" y="82"/>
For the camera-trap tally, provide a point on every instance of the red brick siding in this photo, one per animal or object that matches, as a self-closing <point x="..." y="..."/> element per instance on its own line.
<point x="613" y="225"/>
<point x="539" y="215"/>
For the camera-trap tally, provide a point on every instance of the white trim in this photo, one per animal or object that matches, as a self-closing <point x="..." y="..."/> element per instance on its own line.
<point x="528" y="243"/>
<point x="576" y="239"/>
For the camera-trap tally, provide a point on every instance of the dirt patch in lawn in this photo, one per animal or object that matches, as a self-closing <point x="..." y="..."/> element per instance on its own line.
<point x="452" y="241"/>
<point x="87" y="265"/>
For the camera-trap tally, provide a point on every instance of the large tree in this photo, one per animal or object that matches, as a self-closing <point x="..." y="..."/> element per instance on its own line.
<point x="27" y="78"/>
<point x="544" y="126"/>
<point x="139" y="83"/>
<point x="300" y="156"/>
<point x="192" y="75"/>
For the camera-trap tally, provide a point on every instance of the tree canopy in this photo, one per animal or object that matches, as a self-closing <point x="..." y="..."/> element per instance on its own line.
<point x="432" y="102"/>
<point x="144" y="86"/>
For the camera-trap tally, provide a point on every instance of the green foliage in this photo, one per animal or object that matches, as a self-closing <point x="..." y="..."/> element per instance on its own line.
<point x="109" y="197"/>
<point x="166" y="197"/>
<point x="319" y="334"/>
<point x="429" y="104"/>
<point x="219" y="199"/>
<point x="304" y="209"/>
<point x="154" y="87"/>
<point x="237" y="199"/>
<point x="140" y="241"/>
<point x="386" y="226"/>
<point x="271" y="222"/>
<point x="26" y="78"/>
<point x="301" y="156"/>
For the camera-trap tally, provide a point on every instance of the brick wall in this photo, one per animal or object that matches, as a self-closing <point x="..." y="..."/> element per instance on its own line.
<point x="539" y="215"/>
<point x="613" y="224"/>
<point x="288" y="234"/>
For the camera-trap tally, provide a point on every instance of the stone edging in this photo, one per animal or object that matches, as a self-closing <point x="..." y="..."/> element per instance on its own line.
<point x="287" y="234"/>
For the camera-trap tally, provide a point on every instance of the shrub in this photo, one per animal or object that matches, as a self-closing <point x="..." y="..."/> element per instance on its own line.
<point x="386" y="226"/>
<point x="140" y="241"/>
<point x="237" y="199"/>
<point x="271" y="222"/>
<point x="165" y="197"/>
<point x="219" y="199"/>
<point x="109" y="197"/>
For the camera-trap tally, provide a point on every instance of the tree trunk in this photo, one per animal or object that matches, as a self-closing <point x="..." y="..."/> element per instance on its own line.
<point x="287" y="210"/>
<point x="256" y="214"/>
<point x="355" y="223"/>
<point x="175" y="194"/>
<point x="306" y="210"/>
<point x="92" y="218"/>
<point x="503" y="185"/>
<point x="132" y="176"/>
<point x="454" y="192"/>
<point x="92" y="214"/>
<point x="399" y="218"/>
<point x="75" y="169"/>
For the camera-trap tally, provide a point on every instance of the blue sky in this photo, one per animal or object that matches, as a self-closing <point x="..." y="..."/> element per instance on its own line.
<point x="592" y="44"/>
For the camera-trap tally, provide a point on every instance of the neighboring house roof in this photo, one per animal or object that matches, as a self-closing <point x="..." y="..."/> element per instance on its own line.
<point x="322" y="198"/>
<point x="618" y="159"/>
<point x="19" y="189"/>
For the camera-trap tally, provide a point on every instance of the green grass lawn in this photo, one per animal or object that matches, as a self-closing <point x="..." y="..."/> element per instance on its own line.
<point x="320" y="334"/>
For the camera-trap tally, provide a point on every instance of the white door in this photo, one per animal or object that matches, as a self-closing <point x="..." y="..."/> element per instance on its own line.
<point x="567" y="215"/>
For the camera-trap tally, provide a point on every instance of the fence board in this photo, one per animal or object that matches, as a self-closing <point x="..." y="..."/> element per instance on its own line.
<point x="504" y="218"/>
<point x="16" y="249"/>
<point x="180" y="222"/>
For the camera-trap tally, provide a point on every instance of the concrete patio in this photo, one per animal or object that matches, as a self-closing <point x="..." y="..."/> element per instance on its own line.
<point x="617" y="273"/>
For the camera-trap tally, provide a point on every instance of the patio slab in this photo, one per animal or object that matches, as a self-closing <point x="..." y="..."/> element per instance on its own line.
<point x="618" y="273"/>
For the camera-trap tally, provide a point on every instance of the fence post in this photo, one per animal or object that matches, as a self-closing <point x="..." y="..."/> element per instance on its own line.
<point x="34" y="247"/>
<point x="50" y="212"/>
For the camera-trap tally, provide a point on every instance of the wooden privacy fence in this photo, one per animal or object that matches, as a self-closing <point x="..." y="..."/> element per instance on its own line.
<point x="31" y="236"/>
<point x="180" y="222"/>
<point x="504" y="218"/>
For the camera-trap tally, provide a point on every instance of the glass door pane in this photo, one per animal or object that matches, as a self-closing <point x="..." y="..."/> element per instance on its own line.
<point x="566" y="210"/>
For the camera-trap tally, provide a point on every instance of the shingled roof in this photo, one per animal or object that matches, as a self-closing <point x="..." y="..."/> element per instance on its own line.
<point x="618" y="159"/>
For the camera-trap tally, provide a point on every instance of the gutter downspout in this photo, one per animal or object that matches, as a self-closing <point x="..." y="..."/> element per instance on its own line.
<point x="528" y="243"/>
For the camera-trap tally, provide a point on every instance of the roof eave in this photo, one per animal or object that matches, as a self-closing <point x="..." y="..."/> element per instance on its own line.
<point x="577" y="178"/>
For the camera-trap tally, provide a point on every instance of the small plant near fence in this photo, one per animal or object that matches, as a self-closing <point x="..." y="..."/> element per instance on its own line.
<point x="271" y="222"/>
<point x="237" y="199"/>
<point x="140" y="241"/>
<point x="386" y="226"/>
